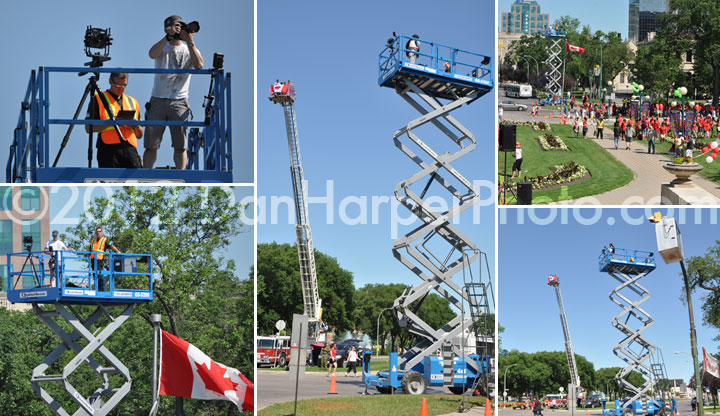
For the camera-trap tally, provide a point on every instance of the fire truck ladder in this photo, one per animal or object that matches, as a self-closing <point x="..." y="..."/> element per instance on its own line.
<point x="306" y="254"/>
<point x="574" y="377"/>
<point x="423" y="77"/>
<point x="628" y="267"/>
<point x="554" y="49"/>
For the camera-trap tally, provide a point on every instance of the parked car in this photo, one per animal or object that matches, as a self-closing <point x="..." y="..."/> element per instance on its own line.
<point x="512" y="105"/>
<point x="342" y="351"/>
<point x="594" y="401"/>
<point x="521" y="404"/>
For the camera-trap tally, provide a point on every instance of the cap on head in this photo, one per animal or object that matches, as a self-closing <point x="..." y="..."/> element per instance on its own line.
<point x="172" y="20"/>
<point x="55" y="233"/>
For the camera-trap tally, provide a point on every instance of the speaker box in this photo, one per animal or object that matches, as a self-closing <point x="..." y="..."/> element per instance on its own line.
<point x="524" y="193"/>
<point x="507" y="137"/>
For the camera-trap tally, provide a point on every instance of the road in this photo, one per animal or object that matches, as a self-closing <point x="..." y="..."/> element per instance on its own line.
<point x="278" y="387"/>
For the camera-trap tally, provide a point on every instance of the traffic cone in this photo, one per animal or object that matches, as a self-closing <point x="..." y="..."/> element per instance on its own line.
<point x="488" y="408"/>
<point x="333" y="387"/>
<point x="423" y="408"/>
<point x="588" y="413"/>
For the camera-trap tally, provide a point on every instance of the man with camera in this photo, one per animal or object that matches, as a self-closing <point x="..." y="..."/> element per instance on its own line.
<point x="169" y="101"/>
<point x="55" y="247"/>
<point x="116" y="151"/>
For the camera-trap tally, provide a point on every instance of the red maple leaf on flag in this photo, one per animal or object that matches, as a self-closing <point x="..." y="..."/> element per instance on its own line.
<point x="214" y="378"/>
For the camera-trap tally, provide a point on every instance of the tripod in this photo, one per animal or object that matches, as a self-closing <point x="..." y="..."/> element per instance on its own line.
<point x="504" y="186"/>
<point x="91" y="86"/>
<point x="29" y="260"/>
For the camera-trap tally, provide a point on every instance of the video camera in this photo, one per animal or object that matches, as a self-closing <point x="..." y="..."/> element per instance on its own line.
<point x="28" y="242"/>
<point x="96" y="38"/>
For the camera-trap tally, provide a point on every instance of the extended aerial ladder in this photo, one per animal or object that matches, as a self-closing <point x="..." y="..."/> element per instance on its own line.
<point x="640" y="355"/>
<point x="435" y="83"/>
<point x="55" y="283"/>
<point x="574" y="376"/>
<point x="284" y="94"/>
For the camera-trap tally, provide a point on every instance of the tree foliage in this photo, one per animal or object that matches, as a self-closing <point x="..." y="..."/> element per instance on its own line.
<point x="704" y="273"/>
<point x="197" y="291"/>
<point x="280" y="292"/>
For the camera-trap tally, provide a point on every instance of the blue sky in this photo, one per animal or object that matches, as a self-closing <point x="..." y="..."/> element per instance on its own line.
<point x="568" y="243"/>
<point x="67" y="204"/>
<point x="608" y="16"/>
<point x="329" y="50"/>
<point x="51" y="33"/>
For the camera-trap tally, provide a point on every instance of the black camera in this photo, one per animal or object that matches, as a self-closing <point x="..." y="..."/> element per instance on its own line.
<point x="96" y="38"/>
<point x="192" y="27"/>
<point x="28" y="242"/>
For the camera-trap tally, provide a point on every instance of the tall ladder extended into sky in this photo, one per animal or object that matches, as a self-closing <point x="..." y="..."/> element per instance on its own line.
<point x="628" y="267"/>
<point x="437" y="250"/>
<point x="284" y="94"/>
<point x="574" y="376"/>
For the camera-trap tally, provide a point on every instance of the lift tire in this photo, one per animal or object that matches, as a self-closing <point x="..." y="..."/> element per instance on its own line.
<point x="413" y="383"/>
<point x="282" y="361"/>
<point x="385" y="390"/>
<point x="627" y="412"/>
<point x="458" y="390"/>
<point x="665" y="412"/>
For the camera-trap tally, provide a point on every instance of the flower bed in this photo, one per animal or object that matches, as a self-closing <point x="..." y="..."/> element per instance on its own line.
<point x="560" y="175"/>
<point x="550" y="141"/>
<point x="541" y="126"/>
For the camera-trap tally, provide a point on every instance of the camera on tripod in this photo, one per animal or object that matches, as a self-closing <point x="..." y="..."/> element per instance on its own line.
<point x="96" y="38"/>
<point x="28" y="242"/>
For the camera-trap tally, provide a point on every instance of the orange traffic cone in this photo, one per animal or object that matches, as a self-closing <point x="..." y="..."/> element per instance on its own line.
<point x="333" y="387"/>
<point x="423" y="408"/>
<point x="588" y="413"/>
<point x="488" y="408"/>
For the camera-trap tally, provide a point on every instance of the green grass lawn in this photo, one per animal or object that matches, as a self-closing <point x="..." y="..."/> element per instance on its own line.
<point x="606" y="172"/>
<point x="385" y="404"/>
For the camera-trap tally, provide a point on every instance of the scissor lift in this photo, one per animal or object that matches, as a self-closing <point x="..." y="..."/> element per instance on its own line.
<point x="435" y="93"/>
<point x="628" y="267"/>
<point x="32" y="158"/>
<point x="554" y="48"/>
<point x="63" y="280"/>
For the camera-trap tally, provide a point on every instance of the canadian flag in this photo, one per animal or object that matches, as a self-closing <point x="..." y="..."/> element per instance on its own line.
<point x="711" y="364"/>
<point x="571" y="48"/>
<point x="188" y="372"/>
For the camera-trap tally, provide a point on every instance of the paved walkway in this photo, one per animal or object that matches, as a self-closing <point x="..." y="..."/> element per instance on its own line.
<point x="645" y="188"/>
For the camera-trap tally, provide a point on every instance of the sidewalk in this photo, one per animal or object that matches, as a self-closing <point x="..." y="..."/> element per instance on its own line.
<point x="649" y="175"/>
<point x="479" y="410"/>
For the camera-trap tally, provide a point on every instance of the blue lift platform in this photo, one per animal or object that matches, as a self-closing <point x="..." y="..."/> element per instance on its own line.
<point x="56" y="283"/>
<point x="76" y="278"/>
<point x="33" y="149"/>
<point x="469" y="72"/>
<point x="630" y="262"/>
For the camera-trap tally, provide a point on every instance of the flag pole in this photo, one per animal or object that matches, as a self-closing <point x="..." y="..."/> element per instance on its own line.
<point x="562" y="89"/>
<point x="155" y="320"/>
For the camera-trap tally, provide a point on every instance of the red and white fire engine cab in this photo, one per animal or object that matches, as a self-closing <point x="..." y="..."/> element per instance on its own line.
<point x="273" y="350"/>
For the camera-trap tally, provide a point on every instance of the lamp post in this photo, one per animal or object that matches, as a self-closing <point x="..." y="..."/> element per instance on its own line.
<point x="505" y="381"/>
<point x="683" y="91"/>
<point x="528" y="68"/>
<point x="378" y="328"/>
<point x="537" y="67"/>
<point x="607" y="388"/>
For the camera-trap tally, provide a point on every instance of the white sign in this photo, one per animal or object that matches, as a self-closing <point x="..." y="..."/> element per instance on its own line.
<point x="122" y="294"/>
<point x="37" y="294"/>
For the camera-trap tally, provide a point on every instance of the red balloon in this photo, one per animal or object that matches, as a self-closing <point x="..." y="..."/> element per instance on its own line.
<point x="713" y="155"/>
<point x="715" y="150"/>
<point x="705" y="149"/>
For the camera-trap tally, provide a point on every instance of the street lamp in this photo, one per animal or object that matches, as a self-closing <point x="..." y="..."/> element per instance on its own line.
<point x="641" y="88"/>
<point x="378" y="328"/>
<point x="537" y="67"/>
<point x="683" y="92"/>
<point x="505" y="381"/>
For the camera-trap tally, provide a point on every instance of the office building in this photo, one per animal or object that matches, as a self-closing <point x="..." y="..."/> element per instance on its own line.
<point x="524" y="18"/>
<point x="643" y="18"/>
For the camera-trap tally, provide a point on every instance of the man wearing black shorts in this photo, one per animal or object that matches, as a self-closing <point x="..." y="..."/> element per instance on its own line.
<point x="518" y="161"/>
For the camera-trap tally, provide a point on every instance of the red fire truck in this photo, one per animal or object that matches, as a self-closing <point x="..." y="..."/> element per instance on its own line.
<point x="273" y="350"/>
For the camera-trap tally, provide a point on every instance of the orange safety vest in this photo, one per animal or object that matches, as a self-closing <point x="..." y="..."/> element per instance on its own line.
<point x="108" y="134"/>
<point x="98" y="245"/>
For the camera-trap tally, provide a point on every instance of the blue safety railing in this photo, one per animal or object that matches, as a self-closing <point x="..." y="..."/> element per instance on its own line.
<point x="79" y="277"/>
<point x="209" y="141"/>
<point x="625" y="259"/>
<point x="554" y="32"/>
<point x="465" y="67"/>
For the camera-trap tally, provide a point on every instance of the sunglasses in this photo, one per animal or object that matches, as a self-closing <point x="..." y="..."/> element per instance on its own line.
<point x="118" y="85"/>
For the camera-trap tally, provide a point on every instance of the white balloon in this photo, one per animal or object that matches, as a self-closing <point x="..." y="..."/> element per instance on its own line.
<point x="709" y="159"/>
<point x="713" y="145"/>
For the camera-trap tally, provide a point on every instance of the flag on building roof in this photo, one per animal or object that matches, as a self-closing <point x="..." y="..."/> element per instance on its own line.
<point x="186" y="371"/>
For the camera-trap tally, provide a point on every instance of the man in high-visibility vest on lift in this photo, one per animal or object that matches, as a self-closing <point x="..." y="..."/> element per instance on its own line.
<point x="115" y="151"/>
<point x="97" y="245"/>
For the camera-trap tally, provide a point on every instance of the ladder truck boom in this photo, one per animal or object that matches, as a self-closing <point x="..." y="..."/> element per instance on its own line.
<point x="284" y="94"/>
<point x="574" y="377"/>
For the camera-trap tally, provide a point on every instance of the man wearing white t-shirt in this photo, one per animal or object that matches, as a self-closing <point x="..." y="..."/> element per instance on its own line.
<point x="169" y="101"/>
<point x="57" y="246"/>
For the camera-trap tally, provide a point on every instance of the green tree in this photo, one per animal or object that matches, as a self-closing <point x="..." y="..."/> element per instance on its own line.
<point x="704" y="273"/>
<point x="279" y="288"/>
<point x="657" y="66"/>
<point x="196" y="289"/>
<point x="699" y="22"/>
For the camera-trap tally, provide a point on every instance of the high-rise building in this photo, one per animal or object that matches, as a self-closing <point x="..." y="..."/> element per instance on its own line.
<point x="24" y="211"/>
<point x="643" y="18"/>
<point x="524" y="18"/>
